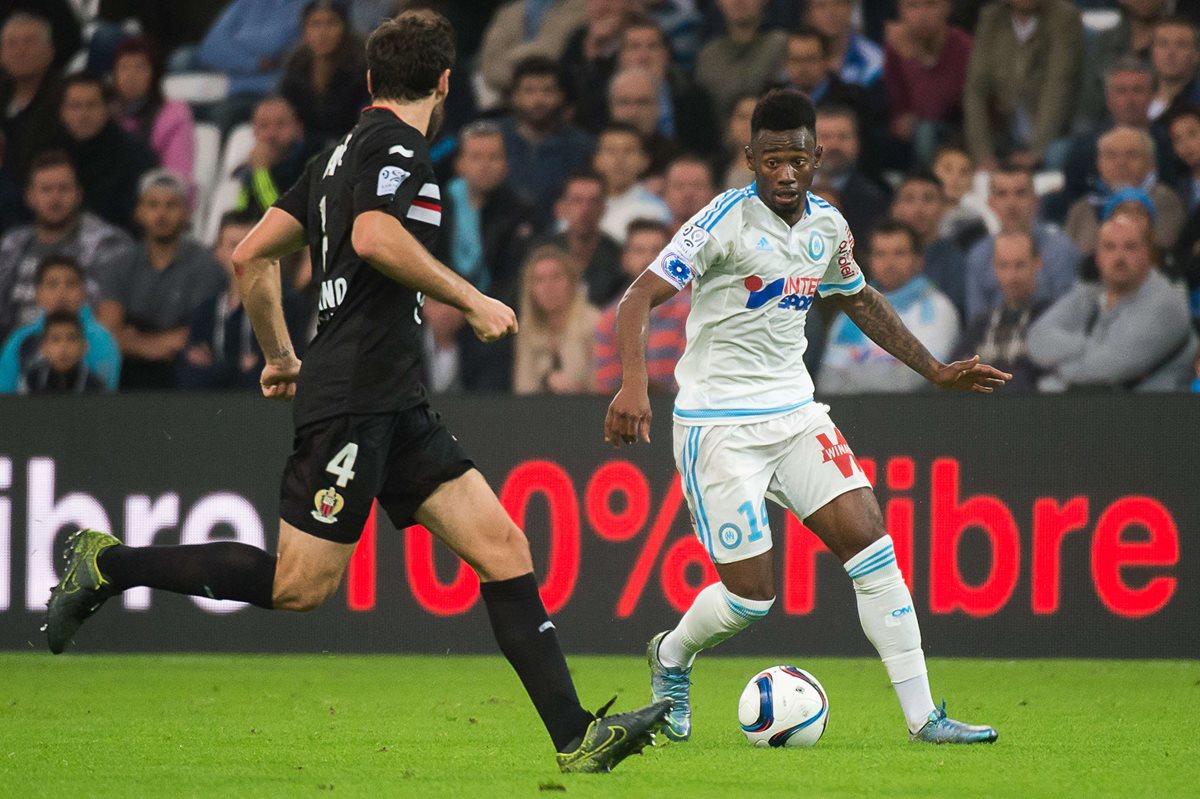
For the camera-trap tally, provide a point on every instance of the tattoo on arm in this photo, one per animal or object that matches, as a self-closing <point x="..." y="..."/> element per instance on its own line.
<point x="876" y="317"/>
<point x="282" y="353"/>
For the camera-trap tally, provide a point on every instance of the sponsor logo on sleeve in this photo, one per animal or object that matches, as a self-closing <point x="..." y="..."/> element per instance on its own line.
<point x="390" y="178"/>
<point x="676" y="268"/>
<point x="690" y="239"/>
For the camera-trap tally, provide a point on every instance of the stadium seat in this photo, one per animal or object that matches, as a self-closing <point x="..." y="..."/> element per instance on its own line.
<point x="1048" y="182"/>
<point x="237" y="147"/>
<point x="223" y="199"/>
<point x="207" y="140"/>
<point x="196" y="87"/>
<point x="1097" y="20"/>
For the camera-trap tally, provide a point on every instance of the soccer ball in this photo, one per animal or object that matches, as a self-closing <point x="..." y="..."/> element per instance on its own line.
<point x="783" y="706"/>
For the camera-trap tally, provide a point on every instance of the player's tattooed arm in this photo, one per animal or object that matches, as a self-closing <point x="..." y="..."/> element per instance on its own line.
<point x="876" y="317"/>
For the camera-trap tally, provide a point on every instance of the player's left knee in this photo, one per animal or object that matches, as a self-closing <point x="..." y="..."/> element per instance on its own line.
<point x="508" y="555"/>
<point x="855" y="541"/>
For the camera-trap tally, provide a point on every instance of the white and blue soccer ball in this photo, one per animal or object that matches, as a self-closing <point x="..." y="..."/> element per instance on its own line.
<point x="783" y="706"/>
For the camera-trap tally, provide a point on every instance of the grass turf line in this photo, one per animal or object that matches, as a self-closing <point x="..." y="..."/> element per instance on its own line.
<point x="209" y="725"/>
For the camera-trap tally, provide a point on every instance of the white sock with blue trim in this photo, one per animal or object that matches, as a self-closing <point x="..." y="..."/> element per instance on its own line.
<point x="885" y="609"/>
<point x="715" y="615"/>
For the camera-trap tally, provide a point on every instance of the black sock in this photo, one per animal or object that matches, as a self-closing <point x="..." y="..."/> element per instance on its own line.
<point x="221" y="570"/>
<point x="528" y="639"/>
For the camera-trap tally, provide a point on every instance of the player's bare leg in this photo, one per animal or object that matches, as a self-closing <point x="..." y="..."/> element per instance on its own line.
<point x="851" y="525"/>
<point x="467" y="516"/>
<point x="309" y="569"/>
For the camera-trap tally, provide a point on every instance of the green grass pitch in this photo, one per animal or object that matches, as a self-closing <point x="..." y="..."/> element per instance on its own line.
<point x="261" y="726"/>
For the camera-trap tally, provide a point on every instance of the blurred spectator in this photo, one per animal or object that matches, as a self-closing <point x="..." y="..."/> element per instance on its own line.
<point x="806" y="67"/>
<point x="108" y="161"/>
<point x="277" y="159"/>
<point x="1175" y="56"/>
<point x="1128" y="39"/>
<point x="633" y="100"/>
<point x="1184" y="127"/>
<point x="999" y="336"/>
<point x="60" y="15"/>
<point x="486" y="226"/>
<point x="967" y="218"/>
<point x="863" y="201"/>
<point x="1185" y="134"/>
<point x="59" y="227"/>
<point x="854" y="363"/>
<point x="925" y="69"/>
<point x="1022" y="79"/>
<point x="150" y="291"/>
<point x="684" y="109"/>
<point x="687" y="189"/>
<point x="579" y="211"/>
<point x="554" y="350"/>
<point x="1128" y="89"/>
<point x="666" y="334"/>
<point x="325" y="77"/>
<point x="589" y="57"/>
<point x="248" y="42"/>
<point x="857" y="59"/>
<point x="542" y="147"/>
<point x="621" y="159"/>
<point x="60" y="287"/>
<point x="1013" y="201"/>
<point x="525" y="28"/>
<point x="139" y="107"/>
<point x="1129" y="332"/>
<point x="441" y="325"/>
<point x="12" y="208"/>
<point x="736" y="173"/>
<point x="365" y="15"/>
<point x="1125" y="159"/>
<point x="745" y="59"/>
<point x="920" y="203"/>
<point x="221" y="351"/>
<point x="680" y="23"/>
<point x="173" y="25"/>
<point x="61" y="368"/>
<point x="29" y="90"/>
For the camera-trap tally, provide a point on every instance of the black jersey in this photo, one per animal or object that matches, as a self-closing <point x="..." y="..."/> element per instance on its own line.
<point x="367" y="354"/>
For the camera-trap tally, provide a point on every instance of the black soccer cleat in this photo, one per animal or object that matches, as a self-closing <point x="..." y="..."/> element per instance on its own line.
<point x="82" y="590"/>
<point x="610" y="739"/>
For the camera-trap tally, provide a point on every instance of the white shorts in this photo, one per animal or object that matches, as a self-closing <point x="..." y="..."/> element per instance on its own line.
<point x="799" y="461"/>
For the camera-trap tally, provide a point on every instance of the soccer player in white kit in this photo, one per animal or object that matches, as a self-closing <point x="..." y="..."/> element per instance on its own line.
<point x="746" y="424"/>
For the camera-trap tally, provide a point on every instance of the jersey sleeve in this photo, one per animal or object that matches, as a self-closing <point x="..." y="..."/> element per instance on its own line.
<point x="842" y="274"/>
<point x="689" y="254"/>
<point x="390" y="176"/>
<point x="295" y="200"/>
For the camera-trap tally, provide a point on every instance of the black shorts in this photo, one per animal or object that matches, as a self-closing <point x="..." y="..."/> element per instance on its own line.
<point x="340" y="465"/>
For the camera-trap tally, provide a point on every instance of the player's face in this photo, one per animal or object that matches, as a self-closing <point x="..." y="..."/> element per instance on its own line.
<point x="551" y="287"/>
<point x="162" y="214"/>
<point x="482" y="163"/>
<point x="62" y="347"/>
<point x="1128" y="96"/>
<point x="641" y="249"/>
<point x="644" y="48"/>
<point x="1185" y="139"/>
<point x="953" y="169"/>
<point x="1012" y="199"/>
<point x="131" y="76"/>
<point x="1174" y="52"/>
<point x="1016" y="268"/>
<point x="1122" y="254"/>
<point x="83" y="111"/>
<point x="839" y="140"/>
<point x="893" y="261"/>
<point x="805" y="62"/>
<point x="783" y="162"/>
<point x="227" y="242"/>
<point x="54" y="196"/>
<point x="60" y="289"/>
<point x="687" y="189"/>
<point x="920" y="205"/>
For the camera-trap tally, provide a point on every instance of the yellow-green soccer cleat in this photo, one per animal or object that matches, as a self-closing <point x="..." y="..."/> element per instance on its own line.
<point x="610" y="739"/>
<point x="941" y="730"/>
<point x="82" y="590"/>
<point x="673" y="684"/>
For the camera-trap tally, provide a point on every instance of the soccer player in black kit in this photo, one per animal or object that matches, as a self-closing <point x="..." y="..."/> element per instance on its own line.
<point x="369" y="211"/>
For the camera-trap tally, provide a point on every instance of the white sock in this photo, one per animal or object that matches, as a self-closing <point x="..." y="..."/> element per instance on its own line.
<point x="715" y="615"/>
<point x="885" y="609"/>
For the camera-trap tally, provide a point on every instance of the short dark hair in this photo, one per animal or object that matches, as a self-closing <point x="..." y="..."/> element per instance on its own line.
<point x="951" y="147"/>
<point x="1012" y="168"/>
<point x="406" y="56"/>
<point x="836" y="111"/>
<point x="538" y="66"/>
<point x="583" y="176"/>
<point x="1190" y="110"/>
<point x="56" y="261"/>
<point x="783" y="109"/>
<point x="645" y="21"/>
<point x="922" y="175"/>
<point x="892" y="226"/>
<point x="643" y="225"/>
<point x="804" y="31"/>
<point x="236" y="219"/>
<point x="85" y="78"/>
<point x="1034" y="250"/>
<point x="622" y="127"/>
<point x="1179" y="21"/>
<point x="50" y="159"/>
<point x="62" y="317"/>
<point x="691" y="158"/>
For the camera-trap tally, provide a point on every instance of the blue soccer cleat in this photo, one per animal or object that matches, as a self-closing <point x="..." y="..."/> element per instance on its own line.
<point x="673" y="684"/>
<point x="941" y="730"/>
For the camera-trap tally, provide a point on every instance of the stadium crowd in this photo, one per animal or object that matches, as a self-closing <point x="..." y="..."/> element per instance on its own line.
<point x="1022" y="178"/>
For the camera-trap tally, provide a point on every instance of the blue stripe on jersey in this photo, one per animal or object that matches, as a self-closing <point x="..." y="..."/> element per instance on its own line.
<point x="714" y="206"/>
<point x="729" y="413"/>
<point x="702" y="517"/>
<point x="724" y="209"/>
<point x="817" y="201"/>
<point x="841" y="286"/>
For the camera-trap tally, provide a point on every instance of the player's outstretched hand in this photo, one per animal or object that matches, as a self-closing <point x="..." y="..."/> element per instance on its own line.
<point x="491" y="319"/>
<point x="970" y="375"/>
<point x="628" y="417"/>
<point x="278" y="380"/>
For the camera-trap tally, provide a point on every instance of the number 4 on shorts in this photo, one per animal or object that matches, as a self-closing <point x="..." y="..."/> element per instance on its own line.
<point x="341" y="465"/>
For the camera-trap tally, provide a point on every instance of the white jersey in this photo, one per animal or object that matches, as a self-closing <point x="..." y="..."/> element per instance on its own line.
<point x="755" y="279"/>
